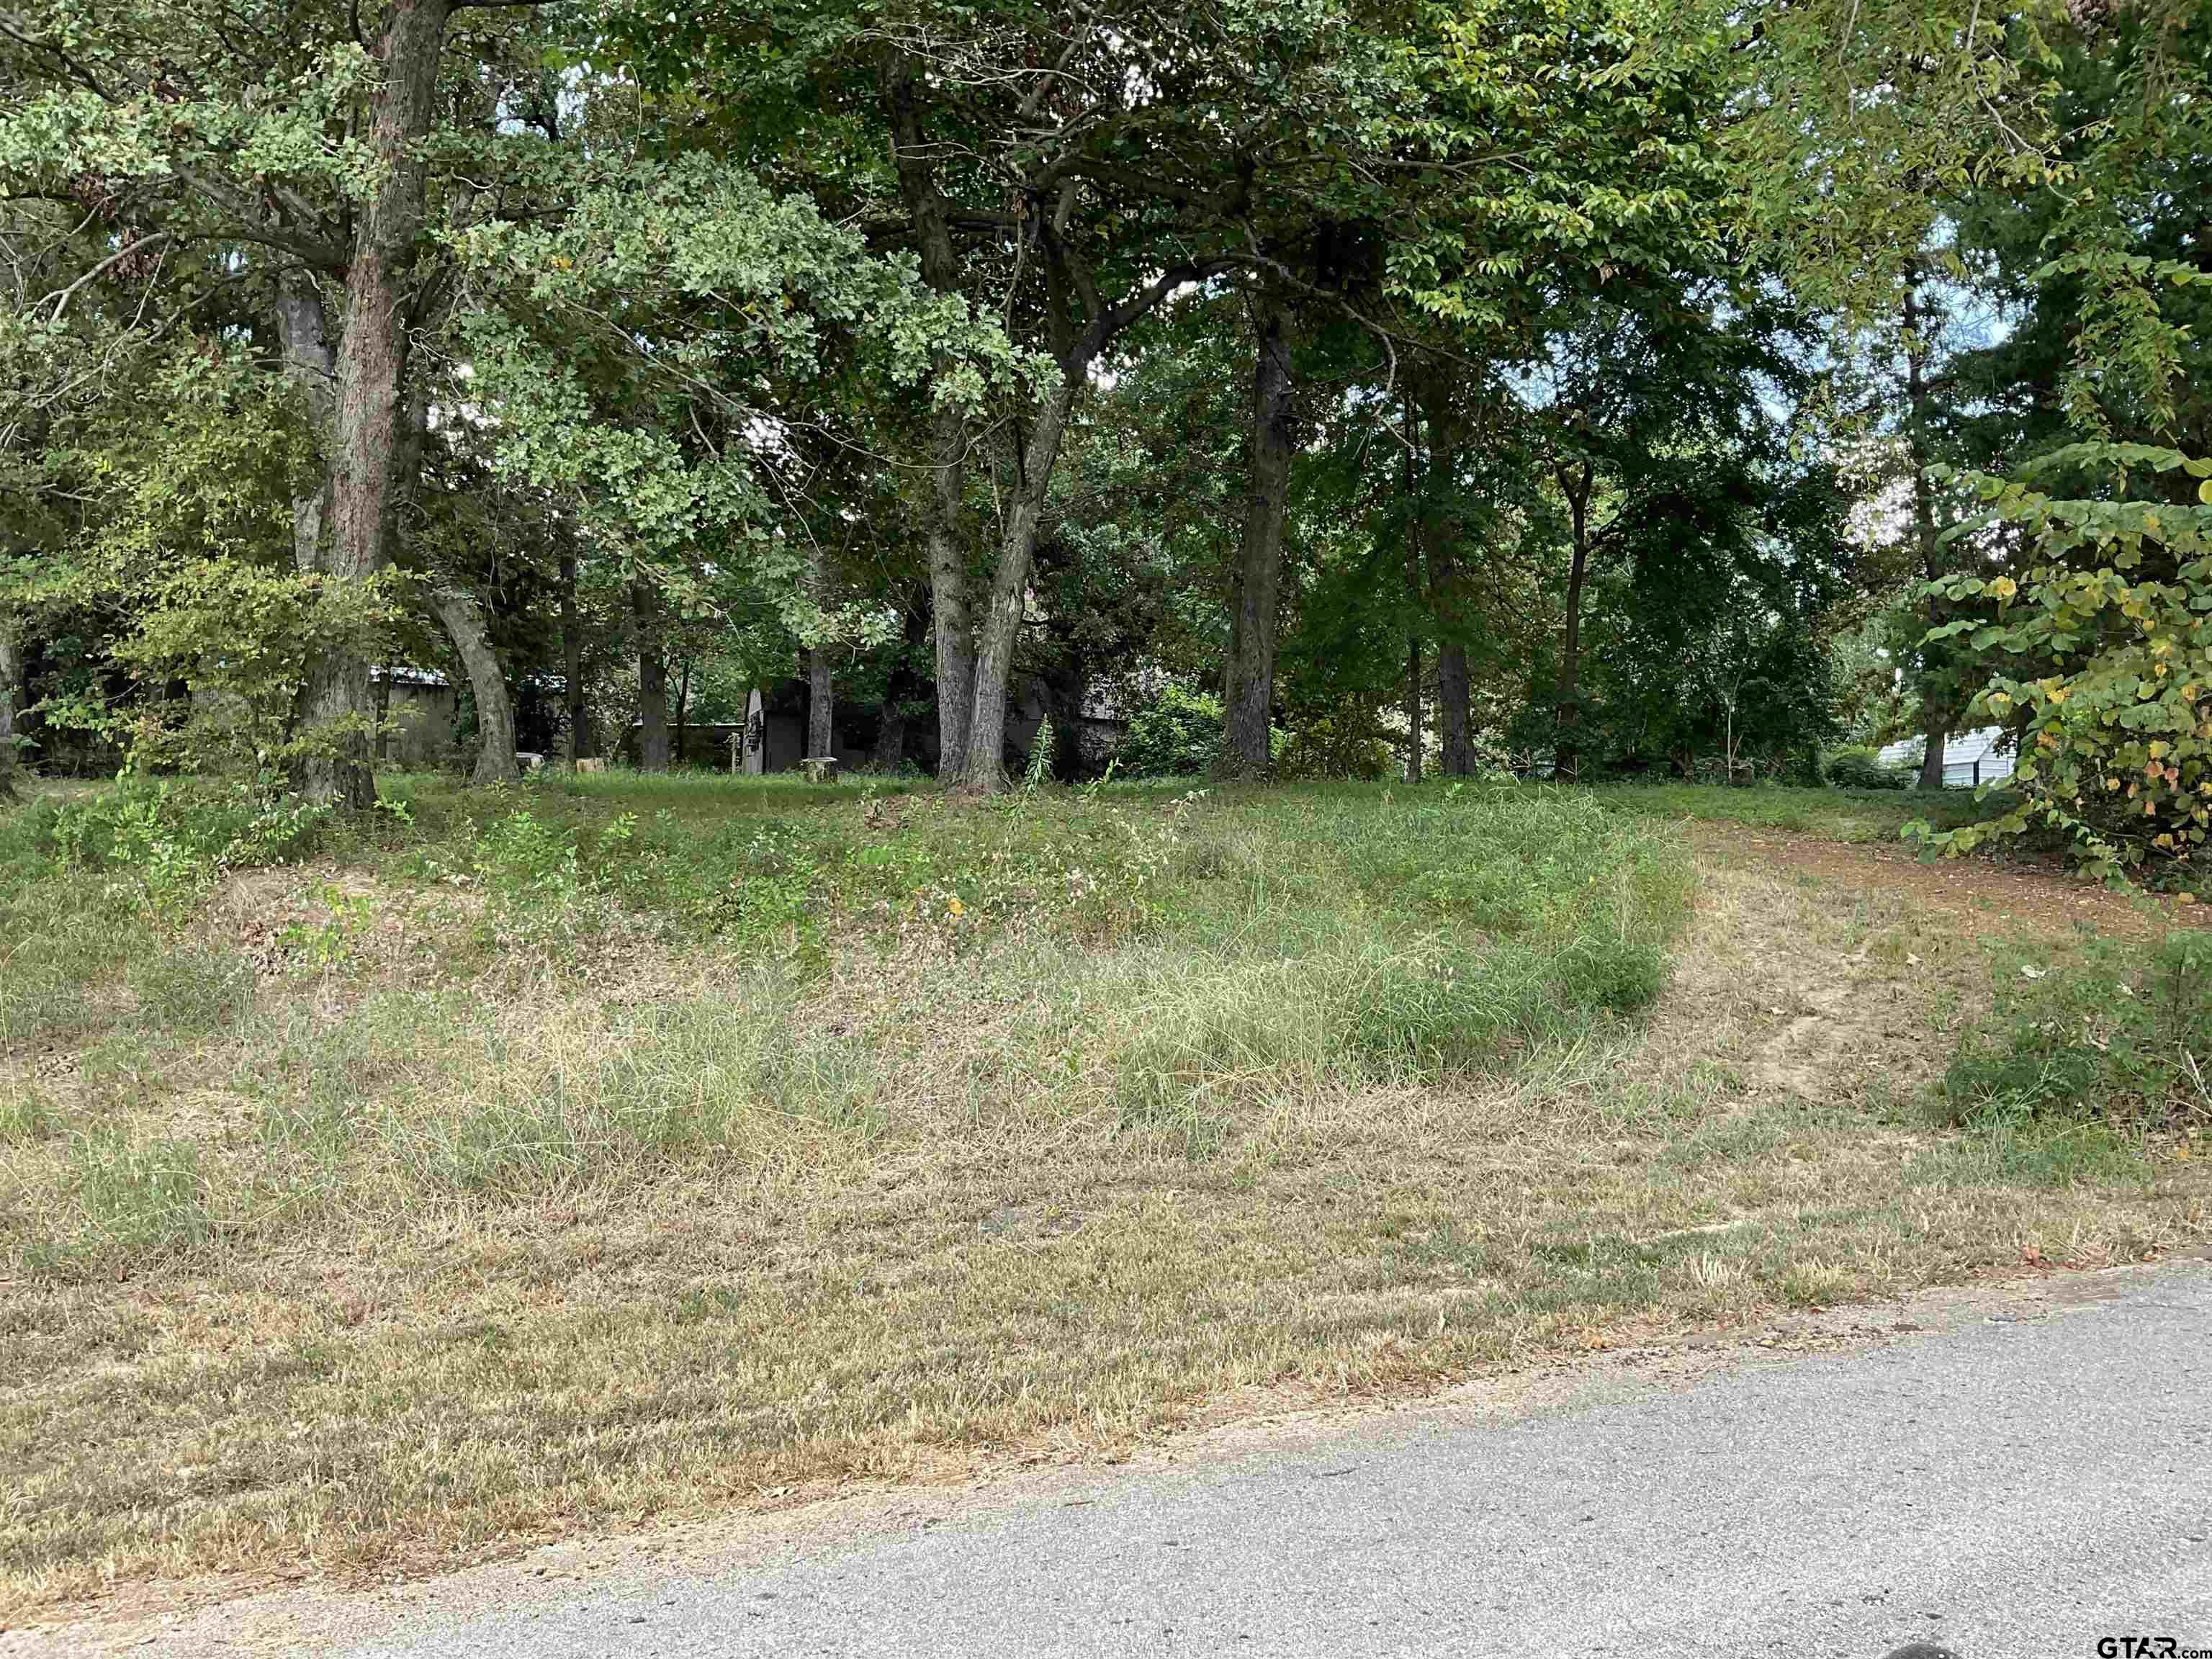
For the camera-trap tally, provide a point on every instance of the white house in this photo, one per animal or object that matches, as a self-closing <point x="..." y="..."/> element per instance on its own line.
<point x="1969" y="758"/>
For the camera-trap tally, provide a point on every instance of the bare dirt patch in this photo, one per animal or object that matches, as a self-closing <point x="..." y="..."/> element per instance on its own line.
<point x="1812" y="998"/>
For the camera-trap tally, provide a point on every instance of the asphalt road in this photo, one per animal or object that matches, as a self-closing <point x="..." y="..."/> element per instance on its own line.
<point x="2028" y="1478"/>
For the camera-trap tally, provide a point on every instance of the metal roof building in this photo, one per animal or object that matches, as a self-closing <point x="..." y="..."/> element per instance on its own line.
<point x="1969" y="758"/>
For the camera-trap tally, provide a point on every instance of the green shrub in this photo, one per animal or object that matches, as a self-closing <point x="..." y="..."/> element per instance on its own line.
<point x="534" y="882"/>
<point x="1865" y="769"/>
<point x="146" y="824"/>
<point x="1609" y="975"/>
<point x="1179" y="734"/>
<point x="1499" y="895"/>
<point x="166" y="839"/>
<point x="1444" y="1015"/>
<point x="26" y="1117"/>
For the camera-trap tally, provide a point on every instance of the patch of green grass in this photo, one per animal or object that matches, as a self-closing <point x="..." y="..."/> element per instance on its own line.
<point x="2116" y="1033"/>
<point x="26" y="1116"/>
<point x="2028" y="1152"/>
<point x="635" y="1145"/>
<point x="191" y="987"/>
<point x="1846" y="815"/>
<point x="136" y="1198"/>
<point x="60" y="936"/>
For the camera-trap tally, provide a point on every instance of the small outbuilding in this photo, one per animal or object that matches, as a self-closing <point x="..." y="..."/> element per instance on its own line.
<point x="1970" y="758"/>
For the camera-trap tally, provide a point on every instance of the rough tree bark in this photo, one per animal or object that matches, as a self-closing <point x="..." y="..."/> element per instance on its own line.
<point x="1248" y="703"/>
<point x="1002" y="619"/>
<point x="310" y="365"/>
<point x="890" y="752"/>
<point x="1414" y="600"/>
<point x="1413" y="736"/>
<point x="951" y="606"/>
<point x="372" y="362"/>
<point x="1567" y="755"/>
<point x="1457" y="758"/>
<point x="1931" y="763"/>
<point x="461" y="616"/>
<point x="821" y="705"/>
<point x="652" y="681"/>
<point x="452" y="601"/>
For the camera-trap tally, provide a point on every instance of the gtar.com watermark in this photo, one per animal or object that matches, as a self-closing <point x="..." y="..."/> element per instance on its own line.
<point x="2147" y="1647"/>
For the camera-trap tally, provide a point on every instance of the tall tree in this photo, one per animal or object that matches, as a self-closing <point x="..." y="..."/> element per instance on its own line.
<point x="1254" y="610"/>
<point x="211" y="125"/>
<point x="651" y="647"/>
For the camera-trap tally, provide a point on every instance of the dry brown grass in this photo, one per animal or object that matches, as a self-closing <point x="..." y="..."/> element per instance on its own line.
<point x="526" y="1293"/>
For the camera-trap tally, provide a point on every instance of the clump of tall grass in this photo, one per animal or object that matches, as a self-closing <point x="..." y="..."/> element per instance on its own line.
<point x="1363" y="942"/>
<point x="2122" y="1035"/>
<point x="1140" y="965"/>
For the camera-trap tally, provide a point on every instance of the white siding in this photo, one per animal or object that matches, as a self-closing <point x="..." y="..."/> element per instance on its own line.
<point x="1962" y="753"/>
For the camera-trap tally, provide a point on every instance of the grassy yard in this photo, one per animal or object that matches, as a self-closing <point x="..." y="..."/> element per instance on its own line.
<point x="617" y="1148"/>
<point x="1848" y="815"/>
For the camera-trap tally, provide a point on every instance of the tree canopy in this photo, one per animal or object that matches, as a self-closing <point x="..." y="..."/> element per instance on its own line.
<point x="1565" y="388"/>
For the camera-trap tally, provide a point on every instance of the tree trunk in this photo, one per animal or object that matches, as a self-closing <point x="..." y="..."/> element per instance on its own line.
<point x="311" y="367"/>
<point x="11" y="675"/>
<point x="1566" y="755"/>
<point x="1923" y="529"/>
<point x="821" y="705"/>
<point x="1000" y="629"/>
<point x="1249" y="706"/>
<point x="461" y="616"/>
<point x="950" y="608"/>
<point x="1414" y="603"/>
<point x="682" y="707"/>
<point x="572" y="651"/>
<point x="1456" y="759"/>
<point x="372" y="361"/>
<point x="949" y="603"/>
<point x="890" y="753"/>
<point x="1413" y="708"/>
<point x="652" y="682"/>
<point x="1002" y="621"/>
<point x="1931" y="763"/>
<point x="821" y="696"/>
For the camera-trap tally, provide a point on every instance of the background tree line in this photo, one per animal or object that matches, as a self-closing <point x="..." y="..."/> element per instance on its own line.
<point x="1579" y="386"/>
